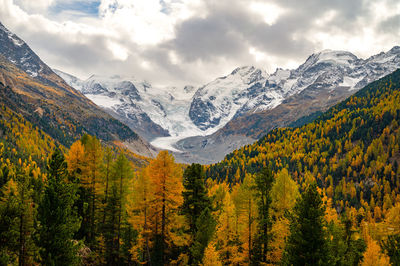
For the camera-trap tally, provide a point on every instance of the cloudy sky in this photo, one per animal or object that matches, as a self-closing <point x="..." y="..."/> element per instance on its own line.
<point x="177" y="42"/>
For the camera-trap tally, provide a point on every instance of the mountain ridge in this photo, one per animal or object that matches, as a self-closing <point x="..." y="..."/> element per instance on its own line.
<point x="238" y="108"/>
<point x="49" y="102"/>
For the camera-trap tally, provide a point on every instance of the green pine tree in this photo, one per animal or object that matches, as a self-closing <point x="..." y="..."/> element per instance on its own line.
<point x="391" y="246"/>
<point x="197" y="209"/>
<point x="307" y="243"/>
<point x="264" y="181"/>
<point x="57" y="218"/>
<point x="344" y="247"/>
<point x="115" y="210"/>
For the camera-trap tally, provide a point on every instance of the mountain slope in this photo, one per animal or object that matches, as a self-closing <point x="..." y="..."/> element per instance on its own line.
<point x="47" y="101"/>
<point x="356" y="122"/>
<point x="323" y="80"/>
<point x="352" y="150"/>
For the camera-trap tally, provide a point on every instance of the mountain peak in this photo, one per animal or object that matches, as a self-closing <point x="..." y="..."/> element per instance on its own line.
<point x="337" y="56"/>
<point x="243" y="70"/>
<point x="394" y="50"/>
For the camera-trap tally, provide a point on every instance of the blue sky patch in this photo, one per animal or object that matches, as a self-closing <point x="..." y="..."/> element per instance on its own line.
<point x="88" y="7"/>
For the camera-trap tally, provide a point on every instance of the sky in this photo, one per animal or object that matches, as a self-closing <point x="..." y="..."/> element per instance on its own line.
<point x="192" y="42"/>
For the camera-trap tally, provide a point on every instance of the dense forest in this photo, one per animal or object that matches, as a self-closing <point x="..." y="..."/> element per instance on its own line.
<point x="326" y="193"/>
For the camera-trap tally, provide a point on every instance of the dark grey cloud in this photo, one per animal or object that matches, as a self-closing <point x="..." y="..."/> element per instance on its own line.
<point x="390" y="25"/>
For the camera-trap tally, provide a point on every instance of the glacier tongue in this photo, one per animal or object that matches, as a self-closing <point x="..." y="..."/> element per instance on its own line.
<point x="166" y="115"/>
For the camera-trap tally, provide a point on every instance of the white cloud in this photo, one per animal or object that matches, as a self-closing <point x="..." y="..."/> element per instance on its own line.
<point x="270" y="12"/>
<point x="34" y="6"/>
<point x="177" y="42"/>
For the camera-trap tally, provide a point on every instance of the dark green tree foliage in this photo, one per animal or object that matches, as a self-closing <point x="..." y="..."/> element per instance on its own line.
<point x="110" y="228"/>
<point x="115" y="213"/>
<point x="57" y="218"/>
<point x="307" y="243"/>
<point x="197" y="209"/>
<point x="264" y="181"/>
<point x="391" y="246"/>
<point x="344" y="248"/>
<point x="26" y="216"/>
<point x="8" y="232"/>
<point x="17" y="222"/>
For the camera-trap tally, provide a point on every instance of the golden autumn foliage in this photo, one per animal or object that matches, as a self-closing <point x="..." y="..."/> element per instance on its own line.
<point x="227" y="235"/>
<point x="373" y="256"/>
<point x="166" y="183"/>
<point x="211" y="257"/>
<point x="76" y="157"/>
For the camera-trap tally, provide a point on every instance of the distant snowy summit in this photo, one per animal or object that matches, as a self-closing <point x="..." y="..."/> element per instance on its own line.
<point x="184" y="112"/>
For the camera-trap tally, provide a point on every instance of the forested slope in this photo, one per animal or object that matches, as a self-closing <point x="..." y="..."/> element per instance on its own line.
<point x="352" y="150"/>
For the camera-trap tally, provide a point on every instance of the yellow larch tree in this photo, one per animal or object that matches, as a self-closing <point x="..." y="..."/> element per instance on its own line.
<point x="76" y="159"/>
<point x="284" y="193"/>
<point x="373" y="256"/>
<point x="211" y="256"/>
<point x="246" y="209"/>
<point x="228" y="242"/>
<point x="166" y="181"/>
<point x="140" y="216"/>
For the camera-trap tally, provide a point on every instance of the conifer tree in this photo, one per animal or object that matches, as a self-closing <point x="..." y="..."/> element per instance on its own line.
<point x="17" y="212"/>
<point x="166" y="181"/>
<point x="197" y="209"/>
<point x="246" y="207"/>
<point x="91" y="182"/>
<point x="122" y="171"/>
<point x="228" y="242"/>
<point x="391" y="247"/>
<point x="140" y="216"/>
<point x="284" y="193"/>
<point x="115" y="209"/>
<point x="307" y="243"/>
<point x="263" y="185"/>
<point x="57" y="217"/>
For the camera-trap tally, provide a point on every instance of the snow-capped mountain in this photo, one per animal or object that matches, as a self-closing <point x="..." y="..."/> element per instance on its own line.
<point x="249" y="89"/>
<point x="216" y="103"/>
<point x="166" y="116"/>
<point x="147" y="110"/>
<point x="325" y="79"/>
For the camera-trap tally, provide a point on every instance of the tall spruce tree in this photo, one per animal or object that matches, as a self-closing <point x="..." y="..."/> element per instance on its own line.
<point x="307" y="243"/>
<point x="197" y="209"/>
<point x="57" y="217"/>
<point x="391" y="247"/>
<point x="263" y="185"/>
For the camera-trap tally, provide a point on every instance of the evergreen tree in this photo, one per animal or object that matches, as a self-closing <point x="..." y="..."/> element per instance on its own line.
<point x="391" y="246"/>
<point x="17" y="214"/>
<point x="57" y="218"/>
<point x="307" y="243"/>
<point x="91" y="181"/>
<point x="197" y="209"/>
<point x="344" y="247"/>
<point x="263" y="185"/>
<point x="110" y="227"/>
<point x="115" y="209"/>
